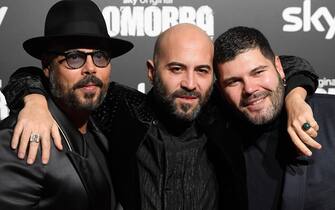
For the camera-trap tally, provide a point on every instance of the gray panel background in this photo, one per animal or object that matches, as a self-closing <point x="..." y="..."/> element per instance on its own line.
<point x="25" y="19"/>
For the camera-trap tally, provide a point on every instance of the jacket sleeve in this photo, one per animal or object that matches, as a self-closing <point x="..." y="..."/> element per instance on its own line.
<point x="20" y="185"/>
<point x="299" y="73"/>
<point x="24" y="81"/>
<point x="29" y="80"/>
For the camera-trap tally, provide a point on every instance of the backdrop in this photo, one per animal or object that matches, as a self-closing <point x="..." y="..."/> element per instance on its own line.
<point x="294" y="27"/>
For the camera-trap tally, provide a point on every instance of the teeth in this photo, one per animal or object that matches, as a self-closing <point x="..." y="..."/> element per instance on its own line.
<point x="257" y="101"/>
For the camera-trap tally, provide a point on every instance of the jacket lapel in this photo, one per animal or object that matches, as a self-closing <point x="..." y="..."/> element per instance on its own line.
<point x="226" y="153"/>
<point x="73" y="140"/>
<point x="102" y="143"/>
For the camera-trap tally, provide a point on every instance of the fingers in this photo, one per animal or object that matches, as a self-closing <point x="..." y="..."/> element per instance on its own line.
<point x="16" y="135"/>
<point x="304" y="139"/>
<point x="33" y="148"/>
<point x="306" y="136"/>
<point x="307" y="139"/>
<point x="313" y="124"/>
<point x="298" y="143"/>
<point x="306" y="118"/>
<point x="56" y="136"/>
<point x="23" y="143"/>
<point x="312" y="133"/>
<point x="46" y="147"/>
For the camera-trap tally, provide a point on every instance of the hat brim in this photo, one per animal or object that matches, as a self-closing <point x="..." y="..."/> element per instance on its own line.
<point x="38" y="46"/>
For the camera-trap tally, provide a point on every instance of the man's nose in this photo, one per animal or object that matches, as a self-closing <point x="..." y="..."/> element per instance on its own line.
<point x="189" y="81"/>
<point x="89" y="66"/>
<point x="250" y="86"/>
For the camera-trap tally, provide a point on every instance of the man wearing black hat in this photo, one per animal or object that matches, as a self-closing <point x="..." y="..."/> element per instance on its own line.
<point x="159" y="157"/>
<point x="75" y="54"/>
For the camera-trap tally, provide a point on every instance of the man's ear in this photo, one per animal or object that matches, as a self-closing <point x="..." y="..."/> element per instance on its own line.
<point x="46" y="72"/>
<point x="279" y="67"/>
<point x="151" y="70"/>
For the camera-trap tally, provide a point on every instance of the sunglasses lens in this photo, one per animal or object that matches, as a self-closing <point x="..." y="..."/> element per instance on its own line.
<point x="101" y="58"/>
<point x="75" y="59"/>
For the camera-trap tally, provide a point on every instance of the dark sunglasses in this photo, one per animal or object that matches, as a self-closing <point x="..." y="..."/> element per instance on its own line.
<point x="76" y="58"/>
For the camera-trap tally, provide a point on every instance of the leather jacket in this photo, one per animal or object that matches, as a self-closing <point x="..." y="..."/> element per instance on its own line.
<point x="69" y="181"/>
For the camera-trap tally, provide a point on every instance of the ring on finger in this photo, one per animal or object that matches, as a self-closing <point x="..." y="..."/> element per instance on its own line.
<point x="306" y="126"/>
<point x="34" y="137"/>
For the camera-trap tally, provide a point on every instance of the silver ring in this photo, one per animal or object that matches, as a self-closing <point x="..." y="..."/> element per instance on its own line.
<point x="34" y="137"/>
<point x="306" y="126"/>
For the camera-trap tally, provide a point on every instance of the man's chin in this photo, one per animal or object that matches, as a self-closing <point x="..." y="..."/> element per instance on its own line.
<point x="258" y="118"/>
<point x="187" y="115"/>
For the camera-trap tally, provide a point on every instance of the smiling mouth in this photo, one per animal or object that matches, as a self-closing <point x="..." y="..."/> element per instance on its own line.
<point x="255" y="101"/>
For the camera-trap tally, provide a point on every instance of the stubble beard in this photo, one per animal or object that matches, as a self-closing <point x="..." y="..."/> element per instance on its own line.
<point x="68" y="97"/>
<point x="270" y="113"/>
<point x="183" y="111"/>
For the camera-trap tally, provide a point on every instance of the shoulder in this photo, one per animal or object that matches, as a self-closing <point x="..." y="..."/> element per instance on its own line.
<point x="325" y="101"/>
<point x="118" y="93"/>
<point x="324" y="112"/>
<point x="117" y="101"/>
<point x="7" y="154"/>
<point x="122" y="90"/>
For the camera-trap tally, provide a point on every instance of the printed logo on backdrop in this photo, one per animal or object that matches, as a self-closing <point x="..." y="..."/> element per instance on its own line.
<point x="306" y="18"/>
<point x="150" y="17"/>
<point x="141" y="18"/>
<point x="3" y="11"/>
<point x="326" y="86"/>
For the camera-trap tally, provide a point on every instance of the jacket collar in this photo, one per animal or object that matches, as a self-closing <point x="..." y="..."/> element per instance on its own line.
<point x="69" y="131"/>
<point x="73" y="139"/>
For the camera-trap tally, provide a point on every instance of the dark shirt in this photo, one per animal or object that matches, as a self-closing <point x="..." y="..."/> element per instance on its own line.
<point x="91" y="155"/>
<point x="264" y="166"/>
<point x="75" y="178"/>
<point x="174" y="170"/>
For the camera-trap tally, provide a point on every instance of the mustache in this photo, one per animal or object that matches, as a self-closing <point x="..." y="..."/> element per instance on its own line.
<point x="253" y="97"/>
<point x="86" y="80"/>
<point x="182" y="92"/>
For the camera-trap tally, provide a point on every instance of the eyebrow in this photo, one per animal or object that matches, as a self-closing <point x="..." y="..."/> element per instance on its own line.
<point x="226" y="81"/>
<point x="204" y="66"/>
<point x="258" y="68"/>
<point x="175" y="63"/>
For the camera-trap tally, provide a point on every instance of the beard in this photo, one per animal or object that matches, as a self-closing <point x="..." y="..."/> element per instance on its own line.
<point x="68" y="97"/>
<point x="268" y="114"/>
<point x="184" y="111"/>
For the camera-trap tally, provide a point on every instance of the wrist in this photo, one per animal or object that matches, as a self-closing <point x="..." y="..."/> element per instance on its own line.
<point x="295" y="94"/>
<point x="35" y="100"/>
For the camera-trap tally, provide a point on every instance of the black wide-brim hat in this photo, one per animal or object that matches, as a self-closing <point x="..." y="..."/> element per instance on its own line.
<point x="72" y="24"/>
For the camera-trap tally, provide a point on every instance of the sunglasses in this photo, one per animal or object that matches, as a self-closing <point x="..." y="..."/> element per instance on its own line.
<point x="75" y="59"/>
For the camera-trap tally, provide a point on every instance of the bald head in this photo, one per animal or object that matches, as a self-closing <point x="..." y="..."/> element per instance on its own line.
<point x="182" y="70"/>
<point x="182" y="34"/>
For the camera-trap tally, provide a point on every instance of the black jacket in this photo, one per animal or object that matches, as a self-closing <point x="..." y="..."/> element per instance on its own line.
<point x="69" y="181"/>
<point x="308" y="181"/>
<point x="125" y="118"/>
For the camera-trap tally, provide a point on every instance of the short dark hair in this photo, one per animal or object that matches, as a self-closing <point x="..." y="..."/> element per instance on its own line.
<point x="238" y="40"/>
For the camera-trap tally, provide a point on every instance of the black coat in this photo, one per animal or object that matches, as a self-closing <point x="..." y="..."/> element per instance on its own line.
<point x="309" y="183"/>
<point x="125" y="118"/>
<point x="67" y="182"/>
<point x="127" y="115"/>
